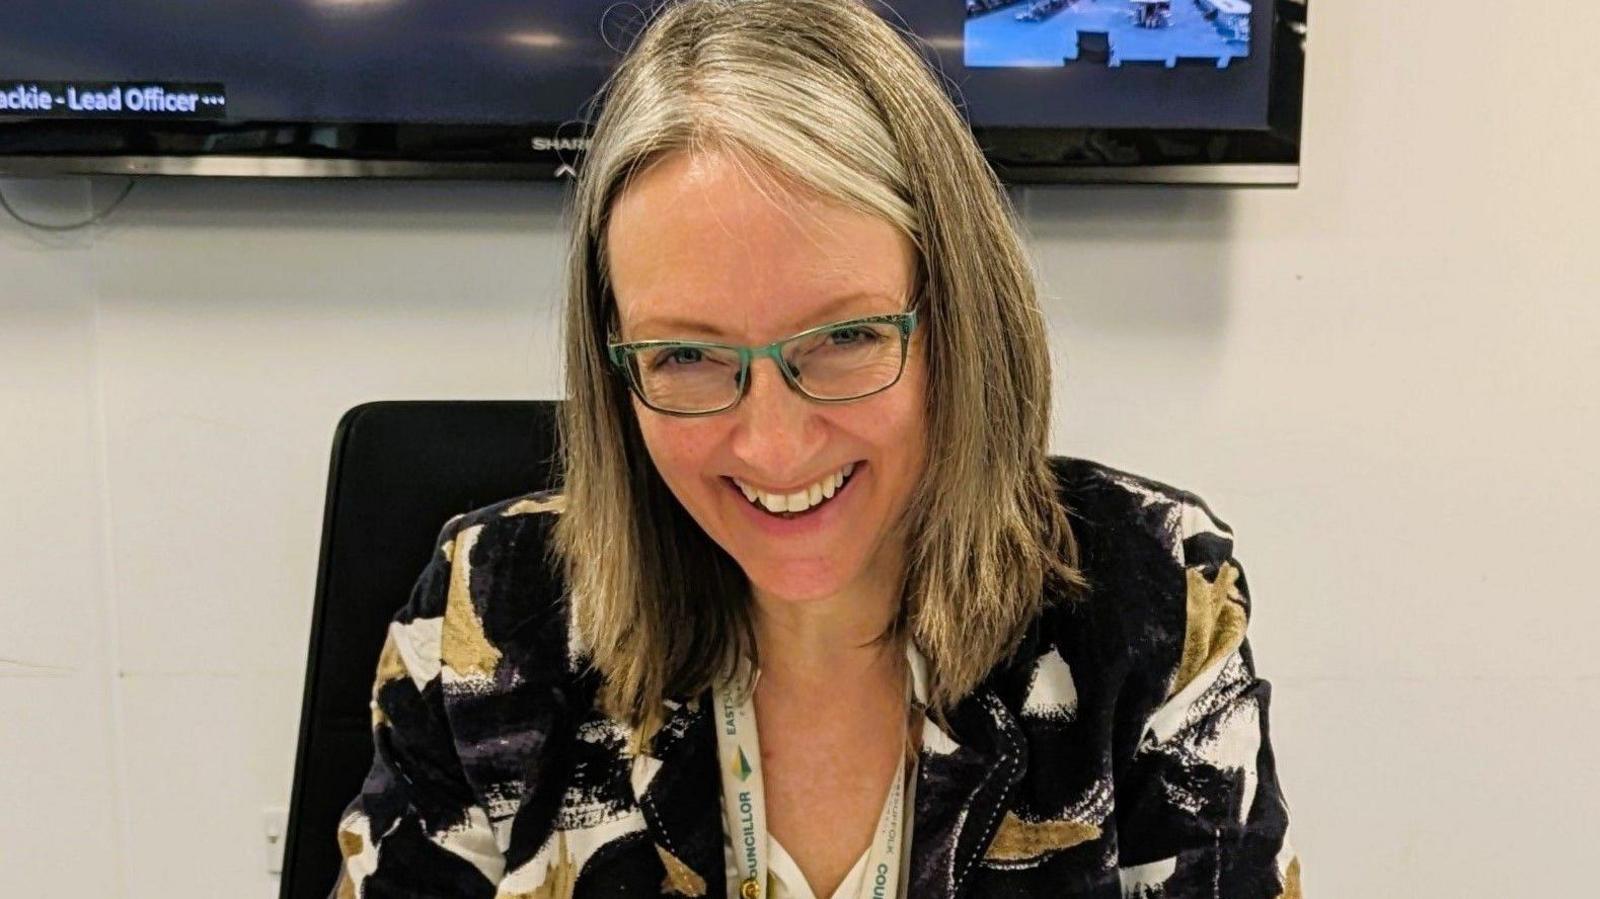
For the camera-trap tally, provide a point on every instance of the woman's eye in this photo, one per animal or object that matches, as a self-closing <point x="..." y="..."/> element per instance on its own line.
<point x="683" y="355"/>
<point x="847" y="336"/>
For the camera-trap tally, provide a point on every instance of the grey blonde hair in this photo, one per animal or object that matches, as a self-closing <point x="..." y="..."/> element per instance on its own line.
<point x="828" y="96"/>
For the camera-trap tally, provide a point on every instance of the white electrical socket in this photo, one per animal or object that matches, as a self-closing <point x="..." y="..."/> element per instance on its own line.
<point x="274" y="825"/>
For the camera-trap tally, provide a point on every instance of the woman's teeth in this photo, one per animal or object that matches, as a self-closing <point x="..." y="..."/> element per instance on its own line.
<point x="800" y="501"/>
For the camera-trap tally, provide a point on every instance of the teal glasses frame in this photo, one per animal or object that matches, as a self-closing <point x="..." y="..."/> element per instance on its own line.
<point x="906" y="322"/>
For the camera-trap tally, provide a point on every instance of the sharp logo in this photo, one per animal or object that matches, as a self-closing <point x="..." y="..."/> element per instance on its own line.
<point x="559" y="143"/>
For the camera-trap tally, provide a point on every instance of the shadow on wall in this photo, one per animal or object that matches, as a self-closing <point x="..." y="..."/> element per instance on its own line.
<point x="365" y="205"/>
<point x="270" y="246"/>
<point x="1148" y="261"/>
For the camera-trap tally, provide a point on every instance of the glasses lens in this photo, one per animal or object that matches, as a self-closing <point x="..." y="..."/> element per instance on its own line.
<point x="682" y="378"/>
<point x="848" y="360"/>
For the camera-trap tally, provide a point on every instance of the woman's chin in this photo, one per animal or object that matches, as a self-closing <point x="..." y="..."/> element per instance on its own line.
<point x="795" y="584"/>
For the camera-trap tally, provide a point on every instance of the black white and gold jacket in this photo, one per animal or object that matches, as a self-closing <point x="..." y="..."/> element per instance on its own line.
<point x="1121" y="752"/>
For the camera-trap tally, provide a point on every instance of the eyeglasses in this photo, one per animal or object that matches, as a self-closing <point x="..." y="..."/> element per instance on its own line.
<point x="834" y="363"/>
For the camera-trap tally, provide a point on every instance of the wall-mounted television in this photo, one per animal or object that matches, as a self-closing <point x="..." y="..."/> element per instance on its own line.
<point x="1137" y="91"/>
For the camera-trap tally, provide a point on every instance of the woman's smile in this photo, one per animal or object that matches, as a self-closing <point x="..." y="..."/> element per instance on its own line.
<point x="817" y="519"/>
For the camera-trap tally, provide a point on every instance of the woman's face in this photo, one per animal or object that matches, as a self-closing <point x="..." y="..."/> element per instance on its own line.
<point x="696" y="251"/>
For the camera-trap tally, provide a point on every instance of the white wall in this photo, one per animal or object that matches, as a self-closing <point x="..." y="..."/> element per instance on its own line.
<point x="1385" y="380"/>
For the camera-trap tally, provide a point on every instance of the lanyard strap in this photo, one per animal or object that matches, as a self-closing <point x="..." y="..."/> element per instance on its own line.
<point x="744" y="802"/>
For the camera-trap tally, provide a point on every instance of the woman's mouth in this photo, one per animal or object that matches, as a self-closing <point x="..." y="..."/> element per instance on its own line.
<point x="799" y="504"/>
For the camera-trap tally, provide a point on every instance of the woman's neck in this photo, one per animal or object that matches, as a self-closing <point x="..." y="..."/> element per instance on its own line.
<point x="825" y="644"/>
<point x="831" y="643"/>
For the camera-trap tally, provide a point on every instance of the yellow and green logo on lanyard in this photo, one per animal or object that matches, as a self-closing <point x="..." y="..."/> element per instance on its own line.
<point x="745" y="803"/>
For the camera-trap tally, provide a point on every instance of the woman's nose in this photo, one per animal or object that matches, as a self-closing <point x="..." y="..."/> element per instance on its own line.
<point x="773" y="424"/>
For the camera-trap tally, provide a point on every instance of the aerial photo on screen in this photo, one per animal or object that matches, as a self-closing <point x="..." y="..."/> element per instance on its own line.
<point x="1169" y="33"/>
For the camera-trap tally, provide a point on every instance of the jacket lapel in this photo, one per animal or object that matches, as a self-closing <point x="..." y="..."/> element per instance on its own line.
<point x="679" y="790"/>
<point x="965" y="778"/>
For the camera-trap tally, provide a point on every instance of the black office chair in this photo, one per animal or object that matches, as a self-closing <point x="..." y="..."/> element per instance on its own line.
<point x="1094" y="47"/>
<point x="398" y="471"/>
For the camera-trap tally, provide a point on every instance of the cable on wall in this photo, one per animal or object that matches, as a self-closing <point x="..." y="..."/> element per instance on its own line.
<point x="46" y="226"/>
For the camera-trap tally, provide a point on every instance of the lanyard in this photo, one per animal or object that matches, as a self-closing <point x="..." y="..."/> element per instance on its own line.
<point x="744" y="802"/>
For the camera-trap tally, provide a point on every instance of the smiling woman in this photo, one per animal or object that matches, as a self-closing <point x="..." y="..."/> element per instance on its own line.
<point x="815" y="622"/>
<point x="696" y="238"/>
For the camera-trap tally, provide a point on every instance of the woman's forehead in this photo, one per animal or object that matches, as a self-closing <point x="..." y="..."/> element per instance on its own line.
<point x="730" y="231"/>
<point x="680" y="261"/>
<point x="753" y="320"/>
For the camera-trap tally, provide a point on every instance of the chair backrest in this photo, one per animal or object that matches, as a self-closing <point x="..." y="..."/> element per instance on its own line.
<point x="398" y="471"/>
<point x="1094" y="46"/>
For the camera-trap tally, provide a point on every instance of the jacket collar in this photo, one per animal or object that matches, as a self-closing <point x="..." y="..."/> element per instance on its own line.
<point x="678" y="788"/>
<point x="965" y="777"/>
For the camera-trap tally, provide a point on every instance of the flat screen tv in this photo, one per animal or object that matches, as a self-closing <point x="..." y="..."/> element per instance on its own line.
<point x="1141" y="91"/>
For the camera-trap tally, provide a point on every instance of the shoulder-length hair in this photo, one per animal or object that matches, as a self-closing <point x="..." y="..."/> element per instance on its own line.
<point x="830" y="97"/>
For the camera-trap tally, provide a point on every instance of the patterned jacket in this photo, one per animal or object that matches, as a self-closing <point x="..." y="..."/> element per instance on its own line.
<point x="1122" y="751"/>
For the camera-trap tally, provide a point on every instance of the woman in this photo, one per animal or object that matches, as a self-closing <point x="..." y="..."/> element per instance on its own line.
<point x="814" y="622"/>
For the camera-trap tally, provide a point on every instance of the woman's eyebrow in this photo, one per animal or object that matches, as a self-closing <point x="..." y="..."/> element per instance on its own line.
<point x="829" y="312"/>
